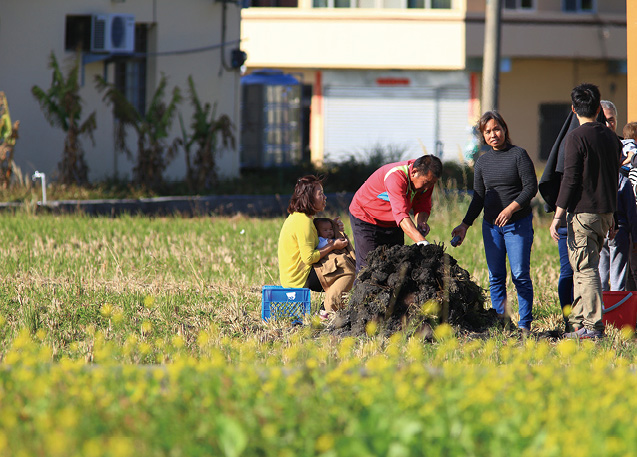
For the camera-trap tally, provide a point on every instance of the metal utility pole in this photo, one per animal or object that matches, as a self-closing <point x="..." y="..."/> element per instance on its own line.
<point x="631" y="35"/>
<point x="491" y="58"/>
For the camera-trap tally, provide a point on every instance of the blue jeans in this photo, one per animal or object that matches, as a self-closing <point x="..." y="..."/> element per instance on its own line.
<point x="613" y="261"/>
<point x="513" y="240"/>
<point x="565" y="283"/>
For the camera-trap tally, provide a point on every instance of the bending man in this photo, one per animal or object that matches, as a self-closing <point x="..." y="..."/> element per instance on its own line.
<point x="380" y="209"/>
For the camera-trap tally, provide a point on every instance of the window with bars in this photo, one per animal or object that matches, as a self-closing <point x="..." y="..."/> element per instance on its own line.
<point x="579" y="6"/>
<point x="399" y="4"/>
<point x="520" y="5"/>
<point x="130" y="71"/>
<point x="274" y="3"/>
<point x="552" y="117"/>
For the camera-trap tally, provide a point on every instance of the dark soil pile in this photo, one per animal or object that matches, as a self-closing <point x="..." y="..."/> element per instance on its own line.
<point x="399" y="280"/>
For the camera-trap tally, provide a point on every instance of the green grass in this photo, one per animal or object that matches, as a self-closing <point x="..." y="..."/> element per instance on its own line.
<point x="142" y="337"/>
<point x="59" y="272"/>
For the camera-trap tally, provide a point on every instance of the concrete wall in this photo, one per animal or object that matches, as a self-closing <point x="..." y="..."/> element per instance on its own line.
<point x="554" y="6"/>
<point x="537" y="81"/>
<point x="353" y="38"/>
<point x="29" y="31"/>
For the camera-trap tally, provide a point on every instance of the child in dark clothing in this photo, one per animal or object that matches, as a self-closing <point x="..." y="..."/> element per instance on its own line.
<point x="629" y="163"/>
<point x="614" y="255"/>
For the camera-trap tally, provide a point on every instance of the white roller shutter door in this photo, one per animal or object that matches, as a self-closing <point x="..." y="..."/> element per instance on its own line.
<point x="454" y="127"/>
<point x="359" y="118"/>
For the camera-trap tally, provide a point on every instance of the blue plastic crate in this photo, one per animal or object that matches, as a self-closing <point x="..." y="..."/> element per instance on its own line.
<point x="284" y="302"/>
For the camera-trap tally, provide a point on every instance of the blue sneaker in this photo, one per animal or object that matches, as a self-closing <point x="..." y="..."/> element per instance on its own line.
<point x="592" y="334"/>
<point x="585" y="334"/>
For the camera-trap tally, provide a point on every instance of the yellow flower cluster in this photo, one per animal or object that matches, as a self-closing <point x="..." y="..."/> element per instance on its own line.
<point x="318" y="396"/>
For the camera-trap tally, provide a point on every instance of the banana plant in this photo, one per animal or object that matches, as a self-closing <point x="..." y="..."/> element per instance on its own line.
<point x="62" y="107"/>
<point x="154" y="152"/>
<point x="205" y="129"/>
<point x="8" y="137"/>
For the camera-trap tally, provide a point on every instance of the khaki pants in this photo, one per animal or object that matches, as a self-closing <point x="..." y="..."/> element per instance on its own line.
<point x="586" y="233"/>
<point x="334" y="293"/>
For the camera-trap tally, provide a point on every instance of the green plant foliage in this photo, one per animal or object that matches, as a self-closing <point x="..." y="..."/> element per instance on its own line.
<point x="62" y="107"/>
<point x="205" y="129"/>
<point x="8" y="137"/>
<point x="154" y="151"/>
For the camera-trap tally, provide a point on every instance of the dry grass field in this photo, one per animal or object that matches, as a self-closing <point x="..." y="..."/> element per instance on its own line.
<point x="142" y="337"/>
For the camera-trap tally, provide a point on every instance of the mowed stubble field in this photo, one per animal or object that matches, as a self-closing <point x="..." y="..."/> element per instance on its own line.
<point x="142" y="336"/>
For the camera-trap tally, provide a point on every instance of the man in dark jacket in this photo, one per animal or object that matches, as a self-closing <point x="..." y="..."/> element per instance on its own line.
<point x="588" y="194"/>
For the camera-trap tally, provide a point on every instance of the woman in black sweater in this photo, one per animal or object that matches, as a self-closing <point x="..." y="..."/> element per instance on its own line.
<point x="504" y="184"/>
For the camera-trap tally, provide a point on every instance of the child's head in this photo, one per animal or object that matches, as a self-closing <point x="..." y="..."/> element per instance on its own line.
<point x="630" y="131"/>
<point x="324" y="227"/>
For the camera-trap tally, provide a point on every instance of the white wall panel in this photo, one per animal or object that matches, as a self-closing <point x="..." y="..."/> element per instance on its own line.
<point x="409" y="118"/>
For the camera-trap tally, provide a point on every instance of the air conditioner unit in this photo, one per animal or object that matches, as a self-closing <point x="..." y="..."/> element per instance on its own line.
<point x="113" y="33"/>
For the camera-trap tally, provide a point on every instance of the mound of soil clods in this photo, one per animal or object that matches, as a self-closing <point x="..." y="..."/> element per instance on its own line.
<point x="399" y="280"/>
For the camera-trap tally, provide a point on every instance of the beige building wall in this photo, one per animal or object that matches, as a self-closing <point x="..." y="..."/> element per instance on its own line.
<point x="537" y="81"/>
<point x="547" y="34"/>
<point x="353" y="39"/>
<point x="31" y="30"/>
<point x="550" y="51"/>
<point x="552" y="7"/>
<point x="632" y="60"/>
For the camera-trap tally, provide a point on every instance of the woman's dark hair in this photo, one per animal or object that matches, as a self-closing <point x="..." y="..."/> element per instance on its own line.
<point x="484" y="120"/>
<point x="586" y="99"/>
<point x="302" y="198"/>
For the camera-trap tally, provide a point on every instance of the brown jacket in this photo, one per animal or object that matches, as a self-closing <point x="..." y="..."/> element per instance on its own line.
<point x="340" y="262"/>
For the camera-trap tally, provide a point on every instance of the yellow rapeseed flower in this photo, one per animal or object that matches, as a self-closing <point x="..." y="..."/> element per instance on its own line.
<point x="443" y="332"/>
<point x="145" y="348"/>
<point x="4" y="442"/>
<point x="324" y="443"/>
<point x="146" y="327"/>
<point x="22" y="340"/>
<point x="269" y="431"/>
<point x="414" y="349"/>
<point x="93" y="448"/>
<point x="566" y="348"/>
<point x="626" y="333"/>
<point x="149" y="301"/>
<point x="90" y="330"/>
<point x="178" y="342"/>
<point x="67" y="418"/>
<point x="121" y="446"/>
<point x="118" y="317"/>
<point x="40" y="334"/>
<point x="345" y="347"/>
<point x="106" y="310"/>
<point x="57" y="443"/>
<point x="203" y="338"/>
<point x="431" y="307"/>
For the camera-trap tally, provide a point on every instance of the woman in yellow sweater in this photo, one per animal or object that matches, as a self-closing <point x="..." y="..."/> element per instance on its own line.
<point x="298" y="239"/>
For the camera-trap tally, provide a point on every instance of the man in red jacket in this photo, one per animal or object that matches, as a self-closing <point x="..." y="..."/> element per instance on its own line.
<point x="380" y="209"/>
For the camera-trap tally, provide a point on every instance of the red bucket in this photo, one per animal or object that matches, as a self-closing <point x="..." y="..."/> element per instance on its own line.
<point x="620" y="309"/>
